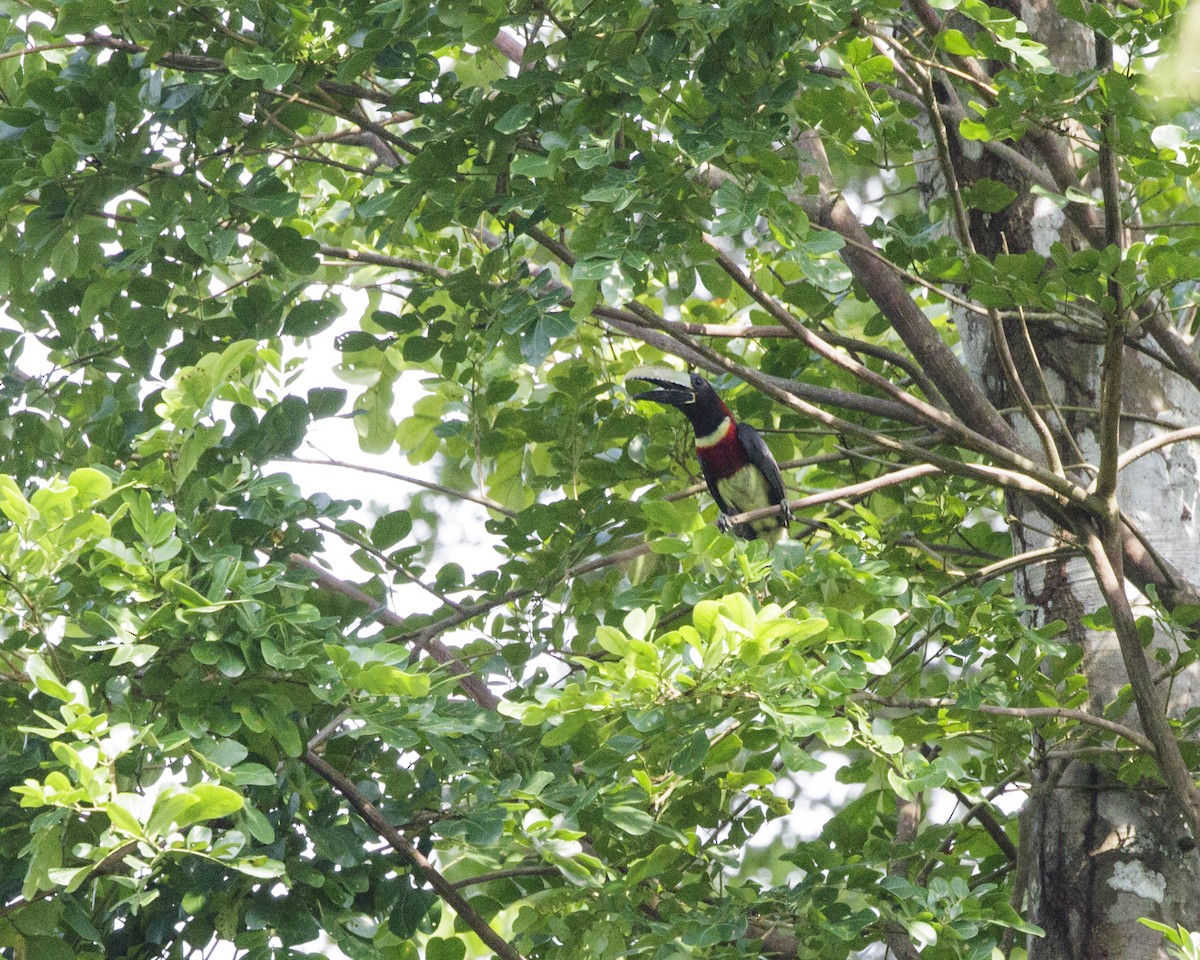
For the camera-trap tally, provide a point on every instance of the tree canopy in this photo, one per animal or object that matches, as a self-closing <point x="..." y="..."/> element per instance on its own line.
<point x="239" y="714"/>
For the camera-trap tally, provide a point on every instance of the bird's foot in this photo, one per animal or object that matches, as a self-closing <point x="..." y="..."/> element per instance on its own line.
<point x="723" y="524"/>
<point x="785" y="514"/>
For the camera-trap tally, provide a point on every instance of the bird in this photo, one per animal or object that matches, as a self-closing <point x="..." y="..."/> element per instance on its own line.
<point x="740" y="471"/>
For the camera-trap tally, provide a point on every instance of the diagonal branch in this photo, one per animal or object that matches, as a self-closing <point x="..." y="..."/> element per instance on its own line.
<point x="1154" y="721"/>
<point x="1173" y="344"/>
<point x="906" y="318"/>
<point x="471" y="684"/>
<point x="442" y="887"/>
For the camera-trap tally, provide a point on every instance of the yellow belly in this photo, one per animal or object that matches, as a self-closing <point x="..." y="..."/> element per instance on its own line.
<point x="746" y="490"/>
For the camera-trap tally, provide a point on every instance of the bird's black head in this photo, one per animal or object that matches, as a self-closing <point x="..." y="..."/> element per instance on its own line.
<point x="690" y="393"/>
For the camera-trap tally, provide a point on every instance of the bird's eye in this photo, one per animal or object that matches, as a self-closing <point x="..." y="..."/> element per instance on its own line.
<point x="697" y="381"/>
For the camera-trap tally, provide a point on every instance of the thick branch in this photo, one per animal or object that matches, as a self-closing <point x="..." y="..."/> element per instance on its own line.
<point x="1171" y="764"/>
<point x="906" y="318"/>
<point x="1112" y="365"/>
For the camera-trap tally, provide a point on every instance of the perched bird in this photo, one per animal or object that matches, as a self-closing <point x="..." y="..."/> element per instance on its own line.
<point x="740" y="471"/>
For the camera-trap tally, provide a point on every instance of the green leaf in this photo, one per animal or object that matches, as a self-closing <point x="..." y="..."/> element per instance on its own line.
<point x="92" y="485"/>
<point x="516" y="118"/>
<point x="37" y="918"/>
<point x="311" y="317"/>
<point x="974" y="130"/>
<point x="325" y="401"/>
<point x="121" y="815"/>
<point x="391" y="528"/>
<point x="382" y="680"/>
<point x="410" y="909"/>
<point x="442" y="948"/>
<point x="253" y="775"/>
<point x="47" y="948"/>
<point x="631" y="820"/>
<point x="613" y="640"/>
<point x="213" y="801"/>
<point x="956" y="43"/>
<point x="923" y="934"/>
<point x="691" y="754"/>
<point x="989" y="196"/>
<point x="565" y="731"/>
<point x="837" y="732"/>
<point x="297" y="253"/>
<point x="249" y="66"/>
<point x="44" y="679"/>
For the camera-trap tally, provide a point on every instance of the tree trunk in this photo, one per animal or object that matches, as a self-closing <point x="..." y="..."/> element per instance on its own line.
<point x="1098" y="853"/>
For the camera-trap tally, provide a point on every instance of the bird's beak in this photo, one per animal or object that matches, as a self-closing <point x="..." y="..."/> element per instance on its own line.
<point x="671" y="386"/>
<point x="670" y="393"/>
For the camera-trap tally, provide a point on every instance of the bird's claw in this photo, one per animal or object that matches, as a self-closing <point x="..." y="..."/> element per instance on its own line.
<point x="785" y="514"/>
<point x="723" y="524"/>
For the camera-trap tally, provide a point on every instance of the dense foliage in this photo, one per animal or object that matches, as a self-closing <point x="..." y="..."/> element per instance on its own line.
<point x="463" y="224"/>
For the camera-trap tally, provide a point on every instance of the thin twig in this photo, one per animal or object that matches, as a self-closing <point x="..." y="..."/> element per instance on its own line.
<point x="383" y="260"/>
<point x="1028" y="713"/>
<point x="387" y="562"/>
<point x="415" y="481"/>
<point x="1156" y="443"/>
<point x="828" y="496"/>
<point x="520" y="870"/>
<point x="1030" y="557"/>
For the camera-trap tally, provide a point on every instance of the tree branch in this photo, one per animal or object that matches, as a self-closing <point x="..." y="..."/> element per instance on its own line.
<point x="1150" y="711"/>
<point x="415" y="481"/>
<point x="1173" y="345"/>
<point x="906" y="318"/>
<point x="386" y="561"/>
<point x="472" y="685"/>
<point x="848" y="492"/>
<point x="1112" y="365"/>
<point x="1028" y="713"/>
<point x="1156" y="443"/>
<point x="518" y="870"/>
<point x="443" y="887"/>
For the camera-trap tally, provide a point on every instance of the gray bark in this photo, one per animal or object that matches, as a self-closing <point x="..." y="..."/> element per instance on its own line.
<point x="1099" y="853"/>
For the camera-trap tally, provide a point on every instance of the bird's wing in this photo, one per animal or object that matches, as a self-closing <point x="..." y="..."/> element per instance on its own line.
<point x="758" y="452"/>
<point x="710" y="478"/>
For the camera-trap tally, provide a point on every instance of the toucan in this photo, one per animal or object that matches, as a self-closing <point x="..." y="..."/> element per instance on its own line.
<point x="740" y="471"/>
